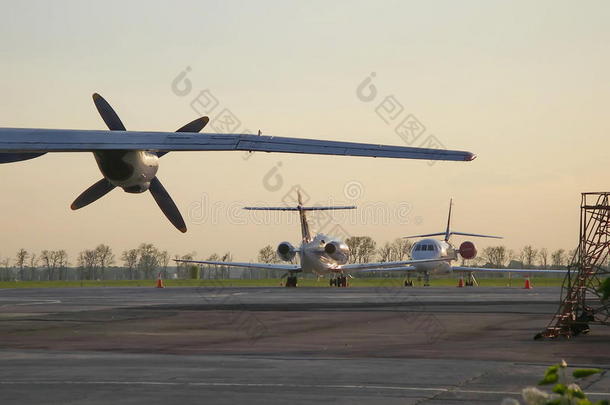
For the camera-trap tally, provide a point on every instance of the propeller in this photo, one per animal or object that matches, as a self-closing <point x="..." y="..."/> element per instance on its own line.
<point x="165" y="202"/>
<point x="96" y="191"/>
<point x="159" y="193"/>
<point x="193" y="126"/>
<point x="110" y="117"/>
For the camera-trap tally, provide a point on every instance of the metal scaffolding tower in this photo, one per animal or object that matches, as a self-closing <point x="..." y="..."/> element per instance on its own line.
<point x="582" y="295"/>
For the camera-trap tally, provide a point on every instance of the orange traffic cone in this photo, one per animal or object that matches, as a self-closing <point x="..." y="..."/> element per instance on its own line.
<point x="159" y="282"/>
<point x="528" y="285"/>
<point x="461" y="282"/>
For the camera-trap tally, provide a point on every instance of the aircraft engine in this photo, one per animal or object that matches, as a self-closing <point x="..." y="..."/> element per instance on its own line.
<point x="135" y="171"/>
<point x="338" y="251"/>
<point x="468" y="250"/>
<point x="286" y="251"/>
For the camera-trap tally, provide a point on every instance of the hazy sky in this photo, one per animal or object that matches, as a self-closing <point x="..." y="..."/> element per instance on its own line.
<point x="524" y="85"/>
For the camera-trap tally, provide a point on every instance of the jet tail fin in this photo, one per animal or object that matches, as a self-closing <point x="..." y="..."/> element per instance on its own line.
<point x="305" y="233"/>
<point x="448" y="232"/>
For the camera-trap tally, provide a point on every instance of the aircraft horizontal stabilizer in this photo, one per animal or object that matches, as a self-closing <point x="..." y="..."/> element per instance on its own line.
<point x="299" y="208"/>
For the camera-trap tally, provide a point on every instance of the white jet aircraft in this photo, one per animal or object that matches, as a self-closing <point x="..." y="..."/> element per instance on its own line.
<point x="435" y="257"/>
<point x="130" y="159"/>
<point x="321" y="254"/>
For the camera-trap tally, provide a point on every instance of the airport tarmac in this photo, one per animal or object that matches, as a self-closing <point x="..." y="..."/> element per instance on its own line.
<point x="258" y="345"/>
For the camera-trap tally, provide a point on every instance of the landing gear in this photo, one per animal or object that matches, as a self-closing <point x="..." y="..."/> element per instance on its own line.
<point x="426" y="280"/>
<point x="340" y="281"/>
<point x="291" y="281"/>
<point x="408" y="283"/>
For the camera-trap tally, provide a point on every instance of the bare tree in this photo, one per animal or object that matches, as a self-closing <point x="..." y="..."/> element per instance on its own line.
<point x="164" y="262"/>
<point x="149" y="259"/>
<point x="267" y="255"/>
<point x="130" y="260"/>
<point x="385" y="252"/>
<point x="55" y="261"/>
<point x="61" y="262"/>
<point x="22" y="256"/>
<point x="401" y="248"/>
<point x="558" y="258"/>
<point x="363" y="248"/>
<point x="87" y="261"/>
<point x="572" y="257"/>
<point x="496" y="256"/>
<point x="46" y="256"/>
<point x="104" y="258"/>
<point x="353" y="243"/>
<point x="34" y="259"/>
<point x="543" y="254"/>
<point x="528" y="255"/>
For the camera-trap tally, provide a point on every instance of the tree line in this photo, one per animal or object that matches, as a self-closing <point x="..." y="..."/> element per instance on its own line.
<point x="146" y="261"/>
<point x="91" y="264"/>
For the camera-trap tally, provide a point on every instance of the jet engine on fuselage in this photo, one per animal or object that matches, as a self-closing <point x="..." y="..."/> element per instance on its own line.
<point x="468" y="250"/>
<point x="286" y="251"/>
<point x="338" y="251"/>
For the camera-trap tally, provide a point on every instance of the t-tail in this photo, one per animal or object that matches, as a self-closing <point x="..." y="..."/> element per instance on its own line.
<point x="448" y="232"/>
<point x="305" y="232"/>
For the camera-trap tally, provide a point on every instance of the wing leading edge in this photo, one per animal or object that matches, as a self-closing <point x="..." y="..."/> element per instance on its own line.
<point x="262" y="266"/>
<point x="24" y="140"/>
<point x="382" y="266"/>
<point x="528" y="271"/>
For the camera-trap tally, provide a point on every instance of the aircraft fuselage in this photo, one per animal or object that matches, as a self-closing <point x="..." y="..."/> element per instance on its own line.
<point x="323" y="255"/>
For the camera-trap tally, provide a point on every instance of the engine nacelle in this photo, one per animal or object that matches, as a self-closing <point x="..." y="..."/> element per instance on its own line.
<point x="467" y="250"/>
<point x="338" y="251"/>
<point x="286" y="251"/>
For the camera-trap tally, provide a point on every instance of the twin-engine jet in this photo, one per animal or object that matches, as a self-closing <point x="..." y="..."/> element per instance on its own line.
<point x="435" y="257"/>
<point x="321" y="254"/>
<point x="130" y="159"/>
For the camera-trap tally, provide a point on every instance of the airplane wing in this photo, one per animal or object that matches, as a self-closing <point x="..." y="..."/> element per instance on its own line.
<point x="264" y="266"/>
<point x="24" y="140"/>
<point x="383" y="265"/>
<point x="528" y="271"/>
<point x="403" y="268"/>
<point x="320" y="208"/>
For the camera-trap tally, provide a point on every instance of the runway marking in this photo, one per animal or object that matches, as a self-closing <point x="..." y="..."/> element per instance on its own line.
<point x="29" y="302"/>
<point x="274" y="385"/>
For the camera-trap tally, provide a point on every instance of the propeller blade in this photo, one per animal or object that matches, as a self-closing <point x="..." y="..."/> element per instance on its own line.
<point x="165" y="202"/>
<point x="193" y="126"/>
<point x="110" y="117"/>
<point x="93" y="193"/>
